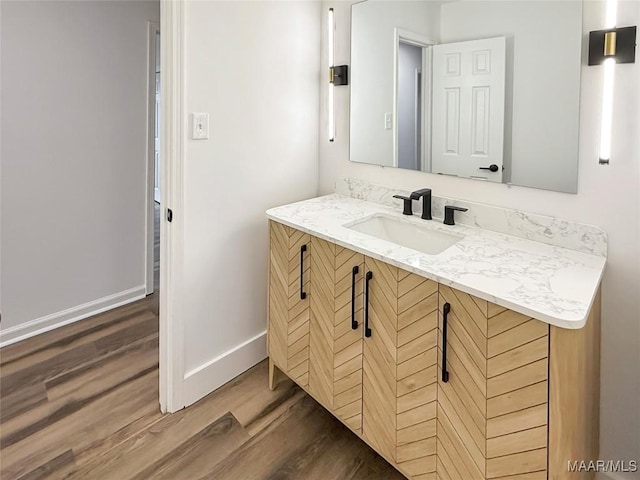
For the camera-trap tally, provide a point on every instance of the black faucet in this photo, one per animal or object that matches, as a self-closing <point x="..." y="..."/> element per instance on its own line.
<point x="449" y="211"/>
<point x="425" y="193"/>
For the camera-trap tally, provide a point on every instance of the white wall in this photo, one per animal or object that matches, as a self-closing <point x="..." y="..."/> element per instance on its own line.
<point x="74" y="119"/>
<point x="607" y="196"/>
<point x="542" y="94"/>
<point x="254" y="66"/>
<point x="372" y="77"/>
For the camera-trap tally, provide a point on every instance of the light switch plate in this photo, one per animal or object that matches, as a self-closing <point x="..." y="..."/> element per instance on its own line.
<point x="200" y="126"/>
<point x="388" y="121"/>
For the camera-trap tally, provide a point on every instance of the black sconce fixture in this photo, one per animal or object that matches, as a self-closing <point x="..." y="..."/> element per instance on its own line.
<point x="616" y="43"/>
<point x="339" y="75"/>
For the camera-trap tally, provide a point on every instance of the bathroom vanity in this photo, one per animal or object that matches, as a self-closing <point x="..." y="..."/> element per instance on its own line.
<point x="477" y="359"/>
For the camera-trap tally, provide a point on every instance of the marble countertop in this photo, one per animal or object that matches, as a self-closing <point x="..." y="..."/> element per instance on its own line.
<point x="553" y="284"/>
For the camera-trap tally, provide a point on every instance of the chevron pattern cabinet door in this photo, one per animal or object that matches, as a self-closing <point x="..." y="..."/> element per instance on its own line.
<point x="379" y="422"/>
<point x="335" y="377"/>
<point x="492" y="413"/>
<point x="348" y="344"/>
<point x="400" y="367"/>
<point x="322" y="320"/>
<point x="517" y="395"/>
<point x="416" y="376"/>
<point x="462" y="400"/>
<point x="288" y="313"/>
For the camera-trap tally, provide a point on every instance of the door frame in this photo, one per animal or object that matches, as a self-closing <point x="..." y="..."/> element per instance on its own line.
<point x="153" y="28"/>
<point x="173" y="131"/>
<point x="412" y="38"/>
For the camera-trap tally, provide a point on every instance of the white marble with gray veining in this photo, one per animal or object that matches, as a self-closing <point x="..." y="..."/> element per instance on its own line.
<point x="540" y="228"/>
<point x="553" y="284"/>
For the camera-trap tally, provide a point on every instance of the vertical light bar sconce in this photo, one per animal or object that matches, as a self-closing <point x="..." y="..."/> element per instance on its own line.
<point x="338" y="75"/>
<point x="331" y="25"/>
<point x="606" y="120"/>
<point x="608" y="48"/>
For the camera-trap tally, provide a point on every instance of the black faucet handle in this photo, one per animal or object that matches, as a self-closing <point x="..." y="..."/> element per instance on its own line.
<point x="406" y="208"/>
<point x="449" y="211"/>
<point x="420" y="193"/>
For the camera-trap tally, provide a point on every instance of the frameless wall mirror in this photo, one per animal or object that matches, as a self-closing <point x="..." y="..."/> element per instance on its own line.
<point x="487" y="90"/>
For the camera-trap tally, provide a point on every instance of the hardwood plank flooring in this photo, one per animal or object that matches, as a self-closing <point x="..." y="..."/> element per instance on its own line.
<point x="81" y="402"/>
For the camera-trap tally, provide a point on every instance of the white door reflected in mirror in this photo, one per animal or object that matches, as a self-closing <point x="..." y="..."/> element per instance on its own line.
<point x="468" y="108"/>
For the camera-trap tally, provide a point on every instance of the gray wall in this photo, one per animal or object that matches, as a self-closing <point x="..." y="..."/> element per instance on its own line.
<point x="74" y="120"/>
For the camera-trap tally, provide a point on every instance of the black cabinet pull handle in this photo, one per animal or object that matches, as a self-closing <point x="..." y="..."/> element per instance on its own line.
<point x="303" y="294"/>
<point x="445" y="313"/>
<point x="367" y="330"/>
<point x="354" y="322"/>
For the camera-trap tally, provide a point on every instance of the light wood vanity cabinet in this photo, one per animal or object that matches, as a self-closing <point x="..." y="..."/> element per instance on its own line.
<point x="475" y="406"/>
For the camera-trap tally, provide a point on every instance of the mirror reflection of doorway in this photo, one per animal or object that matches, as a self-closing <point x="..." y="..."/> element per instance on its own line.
<point x="156" y="173"/>
<point x="153" y="200"/>
<point x="409" y="106"/>
<point x="156" y="142"/>
<point x="412" y="108"/>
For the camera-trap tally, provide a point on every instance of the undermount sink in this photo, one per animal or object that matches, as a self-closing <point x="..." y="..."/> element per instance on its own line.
<point x="407" y="234"/>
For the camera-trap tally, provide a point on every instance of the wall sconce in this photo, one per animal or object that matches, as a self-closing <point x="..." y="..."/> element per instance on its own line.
<point x="331" y="23"/>
<point x="338" y="75"/>
<point x="616" y="43"/>
<point x="608" y="47"/>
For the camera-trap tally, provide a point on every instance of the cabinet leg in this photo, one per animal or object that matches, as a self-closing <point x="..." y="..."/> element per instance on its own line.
<point x="275" y="375"/>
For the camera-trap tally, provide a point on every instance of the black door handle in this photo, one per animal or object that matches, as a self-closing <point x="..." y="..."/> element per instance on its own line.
<point x="445" y="313"/>
<point x="354" y="272"/>
<point x="303" y="294"/>
<point x="367" y="330"/>
<point x="493" y="167"/>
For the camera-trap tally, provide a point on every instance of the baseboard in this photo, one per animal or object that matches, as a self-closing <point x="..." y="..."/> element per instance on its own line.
<point x="206" y="378"/>
<point x="70" y="315"/>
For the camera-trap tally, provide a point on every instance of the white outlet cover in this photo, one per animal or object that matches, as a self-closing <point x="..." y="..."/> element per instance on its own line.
<point x="200" y="126"/>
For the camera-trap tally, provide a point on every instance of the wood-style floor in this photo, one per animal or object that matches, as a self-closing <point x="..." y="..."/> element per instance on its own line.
<point x="81" y="402"/>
